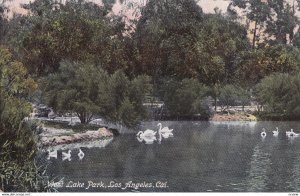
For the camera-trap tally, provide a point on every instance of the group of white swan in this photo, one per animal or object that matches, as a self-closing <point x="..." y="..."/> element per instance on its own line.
<point x="149" y="136"/>
<point x="65" y="155"/>
<point x="276" y="133"/>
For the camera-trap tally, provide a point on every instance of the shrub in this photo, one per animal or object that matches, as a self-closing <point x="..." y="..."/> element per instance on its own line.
<point x="280" y="93"/>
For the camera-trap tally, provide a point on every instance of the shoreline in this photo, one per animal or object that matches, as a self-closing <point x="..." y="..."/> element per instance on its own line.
<point x="51" y="137"/>
<point x="234" y="117"/>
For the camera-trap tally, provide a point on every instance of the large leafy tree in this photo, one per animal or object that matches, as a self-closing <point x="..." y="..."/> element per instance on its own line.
<point x="283" y="25"/>
<point x="256" y="11"/>
<point x="76" y="30"/>
<point x="277" y="19"/>
<point x="165" y="37"/>
<point x="220" y="43"/>
<point x="257" y="64"/>
<point x="219" y="46"/>
<point x="90" y="91"/>
<point x="185" y="98"/>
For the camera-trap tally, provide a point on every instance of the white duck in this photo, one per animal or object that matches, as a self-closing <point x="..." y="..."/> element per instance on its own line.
<point x="52" y="154"/>
<point x="80" y="154"/>
<point x="263" y="133"/>
<point x="66" y="155"/>
<point x="164" y="130"/>
<point x="276" y="132"/>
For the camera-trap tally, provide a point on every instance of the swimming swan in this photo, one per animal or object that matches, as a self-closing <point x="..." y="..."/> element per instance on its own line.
<point x="164" y="130"/>
<point x="148" y="136"/>
<point x="147" y="133"/>
<point x="263" y="133"/>
<point x="52" y="154"/>
<point x="66" y="155"/>
<point x="80" y="154"/>
<point x="276" y="132"/>
<point x="292" y="133"/>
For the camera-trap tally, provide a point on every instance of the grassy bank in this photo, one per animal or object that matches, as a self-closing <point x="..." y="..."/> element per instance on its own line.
<point x="267" y="116"/>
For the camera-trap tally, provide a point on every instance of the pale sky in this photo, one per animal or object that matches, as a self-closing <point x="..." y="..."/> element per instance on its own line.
<point x="207" y="5"/>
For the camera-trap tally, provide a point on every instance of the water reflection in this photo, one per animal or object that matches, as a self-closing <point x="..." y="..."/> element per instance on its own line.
<point x="149" y="136"/>
<point x="203" y="156"/>
<point x="259" y="166"/>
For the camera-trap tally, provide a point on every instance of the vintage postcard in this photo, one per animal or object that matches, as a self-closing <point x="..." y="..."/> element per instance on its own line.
<point x="150" y="96"/>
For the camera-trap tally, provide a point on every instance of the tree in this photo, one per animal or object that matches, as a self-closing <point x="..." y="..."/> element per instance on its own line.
<point x="3" y="20"/>
<point x="165" y="37"/>
<point x="255" y="65"/>
<point x="244" y="97"/>
<point x="90" y="91"/>
<point x="277" y="20"/>
<point x="220" y="43"/>
<point x="283" y="25"/>
<point x="257" y="11"/>
<point x="185" y="98"/>
<point x="228" y="96"/>
<point x="280" y="94"/>
<point x="76" y="31"/>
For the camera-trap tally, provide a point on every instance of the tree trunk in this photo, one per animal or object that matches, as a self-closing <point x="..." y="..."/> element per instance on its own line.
<point x="84" y="117"/>
<point x="254" y="35"/>
<point x="81" y="117"/>
<point x="215" y="103"/>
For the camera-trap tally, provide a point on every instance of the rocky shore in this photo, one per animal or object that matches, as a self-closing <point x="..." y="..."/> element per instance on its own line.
<point x="54" y="137"/>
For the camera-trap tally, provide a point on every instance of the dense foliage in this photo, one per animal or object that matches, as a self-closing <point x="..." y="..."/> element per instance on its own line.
<point x="90" y="91"/>
<point x="280" y="93"/>
<point x="186" y="98"/>
<point x="77" y="30"/>
<point x="95" y="63"/>
<point x="18" y="138"/>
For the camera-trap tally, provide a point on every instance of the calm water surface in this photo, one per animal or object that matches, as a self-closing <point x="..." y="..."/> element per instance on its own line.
<point x="202" y="156"/>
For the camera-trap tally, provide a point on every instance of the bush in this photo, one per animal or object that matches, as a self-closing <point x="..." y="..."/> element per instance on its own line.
<point x="18" y="138"/>
<point x="280" y="93"/>
<point x="231" y="96"/>
<point x="186" y="98"/>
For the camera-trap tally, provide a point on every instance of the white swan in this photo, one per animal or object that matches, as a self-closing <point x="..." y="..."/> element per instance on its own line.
<point x="80" y="154"/>
<point x="149" y="140"/>
<point x="147" y="133"/>
<point x="276" y="132"/>
<point x="164" y="130"/>
<point x="164" y="133"/>
<point x="66" y="155"/>
<point x="52" y="154"/>
<point x="167" y="135"/>
<point x="292" y="133"/>
<point x="148" y="136"/>
<point x="263" y="133"/>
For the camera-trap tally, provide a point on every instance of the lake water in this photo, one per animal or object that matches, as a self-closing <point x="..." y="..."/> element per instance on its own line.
<point x="202" y="157"/>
